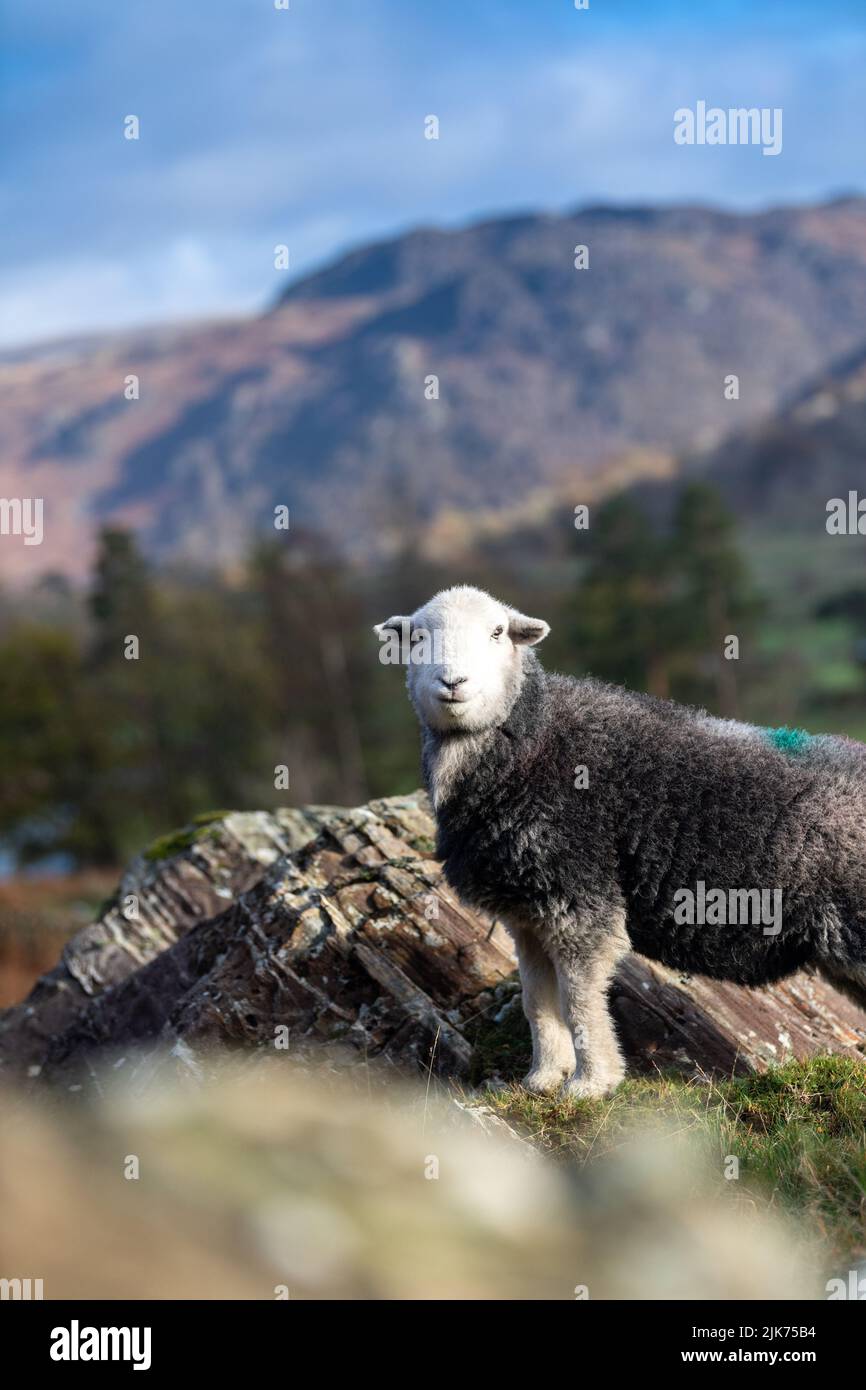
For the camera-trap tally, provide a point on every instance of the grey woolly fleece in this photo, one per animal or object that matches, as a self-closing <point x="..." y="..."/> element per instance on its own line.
<point x="674" y="797"/>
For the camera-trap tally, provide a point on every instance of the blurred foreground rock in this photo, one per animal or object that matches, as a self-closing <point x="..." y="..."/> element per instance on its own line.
<point x="266" y="1185"/>
<point x="331" y="935"/>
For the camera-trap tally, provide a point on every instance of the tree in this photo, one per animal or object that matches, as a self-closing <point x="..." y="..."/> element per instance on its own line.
<point x="717" y="599"/>
<point x="177" y="727"/>
<point x="655" y="607"/>
<point x="309" y="624"/>
<point x="121" y="595"/>
<point x="41" y="736"/>
<point x="624" y="618"/>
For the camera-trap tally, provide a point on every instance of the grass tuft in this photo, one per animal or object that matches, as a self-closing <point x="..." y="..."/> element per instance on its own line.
<point x="798" y="1132"/>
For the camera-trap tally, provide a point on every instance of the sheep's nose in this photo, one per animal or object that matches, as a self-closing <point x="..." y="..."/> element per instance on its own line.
<point x="453" y="683"/>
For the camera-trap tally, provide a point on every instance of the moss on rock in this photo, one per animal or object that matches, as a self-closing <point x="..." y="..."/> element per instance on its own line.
<point x="176" y="841"/>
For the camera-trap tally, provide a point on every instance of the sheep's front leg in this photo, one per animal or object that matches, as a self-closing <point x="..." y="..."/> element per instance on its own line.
<point x="552" y="1047"/>
<point x="585" y="964"/>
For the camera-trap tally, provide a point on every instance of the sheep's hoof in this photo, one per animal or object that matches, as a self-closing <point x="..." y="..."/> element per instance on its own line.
<point x="543" y="1083"/>
<point x="587" y="1088"/>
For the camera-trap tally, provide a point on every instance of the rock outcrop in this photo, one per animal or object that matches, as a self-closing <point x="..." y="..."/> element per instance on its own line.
<point x="330" y="934"/>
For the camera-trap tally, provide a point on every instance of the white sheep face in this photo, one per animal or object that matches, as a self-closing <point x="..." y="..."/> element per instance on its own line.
<point x="462" y="651"/>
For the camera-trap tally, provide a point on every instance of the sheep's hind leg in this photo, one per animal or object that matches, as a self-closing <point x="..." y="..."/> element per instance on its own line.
<point x="552" y="1048"/>
<point x="584" y="967"/>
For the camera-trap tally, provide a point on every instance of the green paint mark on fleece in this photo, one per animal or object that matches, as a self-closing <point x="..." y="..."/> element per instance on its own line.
<point x="790" y="741"/>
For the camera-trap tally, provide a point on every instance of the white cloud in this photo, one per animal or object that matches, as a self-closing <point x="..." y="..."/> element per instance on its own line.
<point x="180" y="281"/>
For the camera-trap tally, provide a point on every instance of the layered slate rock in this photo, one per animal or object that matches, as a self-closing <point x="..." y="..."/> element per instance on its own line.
<point x="179" y="881"/>
<point x="330" y="935"/>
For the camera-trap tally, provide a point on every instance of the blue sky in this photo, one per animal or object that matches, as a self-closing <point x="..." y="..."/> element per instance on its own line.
<point x="305" y="127"/>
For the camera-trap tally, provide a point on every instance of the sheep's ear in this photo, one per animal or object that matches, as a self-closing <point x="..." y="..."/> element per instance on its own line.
<point x="525" y="632"/>
<point x="395" y="624"/>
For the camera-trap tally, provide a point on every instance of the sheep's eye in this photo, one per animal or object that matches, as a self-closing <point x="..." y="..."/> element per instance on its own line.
<point x="498" y="631"/>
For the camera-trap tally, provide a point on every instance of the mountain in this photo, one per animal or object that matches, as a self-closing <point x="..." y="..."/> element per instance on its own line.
<point x="548" y="376"/>
<point x="787" y="468"/>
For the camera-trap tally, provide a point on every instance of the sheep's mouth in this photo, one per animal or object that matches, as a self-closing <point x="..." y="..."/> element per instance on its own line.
<point x="454" y="699"/>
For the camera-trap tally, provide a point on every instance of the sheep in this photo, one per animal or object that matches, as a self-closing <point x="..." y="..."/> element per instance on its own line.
<point x="592" y="820"/>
